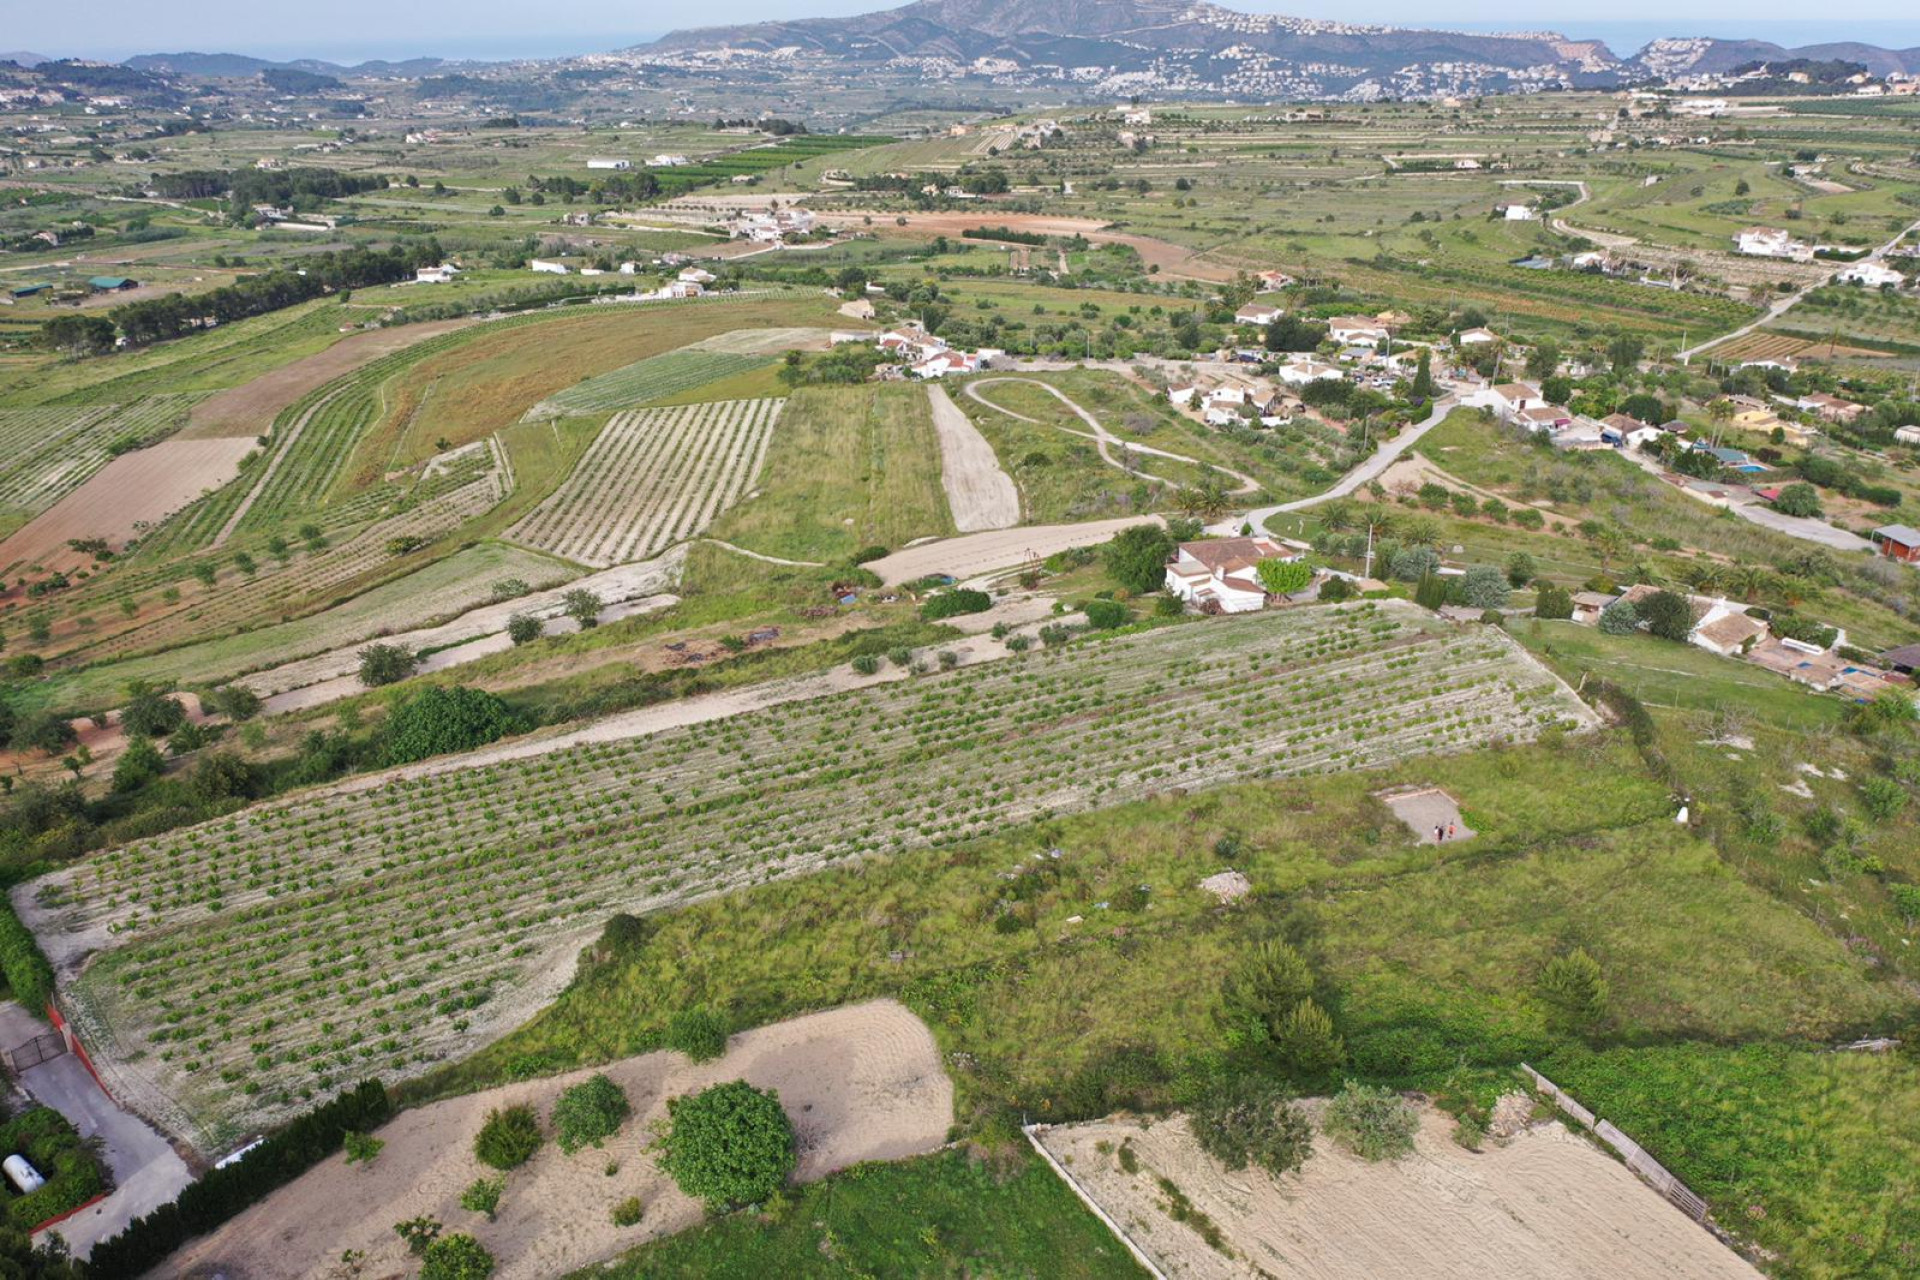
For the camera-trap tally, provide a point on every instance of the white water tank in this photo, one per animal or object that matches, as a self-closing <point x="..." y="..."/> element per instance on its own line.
<point x="22" y="1174"/>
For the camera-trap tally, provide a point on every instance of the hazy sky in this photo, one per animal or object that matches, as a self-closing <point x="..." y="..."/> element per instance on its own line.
<point x="501" y="28"/>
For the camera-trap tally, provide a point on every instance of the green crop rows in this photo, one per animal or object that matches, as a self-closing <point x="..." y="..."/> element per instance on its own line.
<point x="251" y="963"/>
<point x="654" y="378"/>
<point x="48" y="452"/>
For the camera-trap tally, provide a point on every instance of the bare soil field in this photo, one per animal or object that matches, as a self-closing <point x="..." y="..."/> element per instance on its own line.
<point x="1546" y="1205"/>
<point x="859" y="1083"/>
<point x="134" y="491"/>
<point x="767" y="342"/>
<point x="250" y="409"/>
<point x="981" y="494"/>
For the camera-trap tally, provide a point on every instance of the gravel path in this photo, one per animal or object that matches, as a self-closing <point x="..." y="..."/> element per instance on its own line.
<point x="973" y="554"/>
<point x="981" y="494"/>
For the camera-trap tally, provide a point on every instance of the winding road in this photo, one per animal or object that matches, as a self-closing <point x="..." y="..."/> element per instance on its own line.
<point x="1384" y="455"/>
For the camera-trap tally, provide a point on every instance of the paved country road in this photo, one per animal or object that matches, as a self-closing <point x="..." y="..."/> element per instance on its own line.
<point x="1384" y="455"/>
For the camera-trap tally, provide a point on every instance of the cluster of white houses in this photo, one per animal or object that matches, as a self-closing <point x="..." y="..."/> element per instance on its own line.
<point x="925" y="356"/>
<point x="772" y="227"/>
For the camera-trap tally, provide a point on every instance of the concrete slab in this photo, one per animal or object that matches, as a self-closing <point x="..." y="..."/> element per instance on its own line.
<point x="1431" y="814"/>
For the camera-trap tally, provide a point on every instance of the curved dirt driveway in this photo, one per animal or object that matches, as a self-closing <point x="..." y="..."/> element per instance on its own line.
<point x="1104" y="440"/>
<point x="981" y="495"/>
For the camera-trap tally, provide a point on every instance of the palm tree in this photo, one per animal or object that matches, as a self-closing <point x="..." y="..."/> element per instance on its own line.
<point x="1704" y="576"/>
<point x="1748" y="581"/>
<point x="1338" y="514"/>
<point x="1610" y="542"/>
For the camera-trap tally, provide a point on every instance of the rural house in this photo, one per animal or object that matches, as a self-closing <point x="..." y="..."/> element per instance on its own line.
<point x="1356" y="329"/>
<point x="1624" y="432"/>
<point x="1509" y="398"/>
<point x="1300" y="372"/>
<point x="1899" y="542"/>
<point x="1258" y="313"/>
<point x="1830" y="408"/>
<point x="1220" y="575"/>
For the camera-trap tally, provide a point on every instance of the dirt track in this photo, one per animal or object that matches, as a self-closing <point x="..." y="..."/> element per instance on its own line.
<point x="1546" y="1206"/>
<point x="981" y="494"/>
<point x="249" y="410"/>
<point x="973" y="554"/>
<point x="859" y="1083"/>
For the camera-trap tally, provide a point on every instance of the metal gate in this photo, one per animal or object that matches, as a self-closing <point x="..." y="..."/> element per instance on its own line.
<point x="32" y="1053"/>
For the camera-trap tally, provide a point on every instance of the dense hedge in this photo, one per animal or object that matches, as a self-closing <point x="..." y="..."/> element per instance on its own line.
<point x="55" y="1148"/>
<point x="222" y="1193"/>
<point x="27" y="972"/>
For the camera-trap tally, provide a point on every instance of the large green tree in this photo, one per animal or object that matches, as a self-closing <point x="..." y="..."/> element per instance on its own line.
<point x="728" y="1145"/>
<point x="1137" y="558"/>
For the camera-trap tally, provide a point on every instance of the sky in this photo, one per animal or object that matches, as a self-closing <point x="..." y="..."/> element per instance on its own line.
<point x="351" y="30"/>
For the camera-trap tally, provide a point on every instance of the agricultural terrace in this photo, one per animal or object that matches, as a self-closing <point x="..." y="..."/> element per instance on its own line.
<point x="47" y="452"/>
<point x="652" y="478"/>
<point x="239" y="969"/>
<point x="644" y="381"/>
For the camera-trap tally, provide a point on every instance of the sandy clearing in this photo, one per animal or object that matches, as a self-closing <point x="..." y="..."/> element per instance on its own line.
<point x="249" y="410"/>
<point x="1546" y="1206"/>
<point x="981" y="494"/>
<point x="859" y="1083"/>
<point x="132" y="492"/>
<point x="973" y="554"/>
<point x="765" y="342"/>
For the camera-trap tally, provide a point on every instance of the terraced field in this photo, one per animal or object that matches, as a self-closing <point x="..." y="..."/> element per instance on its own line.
<point x="653" y="478"/>
<point x="654" y="378"/>
<point x="241" y="967"/>
<point x="49" y="451"/>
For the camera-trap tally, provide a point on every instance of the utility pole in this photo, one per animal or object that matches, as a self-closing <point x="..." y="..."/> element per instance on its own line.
<point x="1369" y="569"/>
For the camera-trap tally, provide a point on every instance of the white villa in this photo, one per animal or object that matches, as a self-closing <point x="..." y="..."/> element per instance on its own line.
<point x="1220" y="575"/>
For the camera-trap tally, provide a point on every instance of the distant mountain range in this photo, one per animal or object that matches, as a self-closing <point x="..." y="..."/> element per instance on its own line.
<point x="1072" y="50"/>
<point x="22" y="57"/>
<point x="1179" y="47"/>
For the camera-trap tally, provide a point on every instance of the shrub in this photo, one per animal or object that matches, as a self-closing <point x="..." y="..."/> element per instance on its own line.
<point x="628" y="1212"/>
<point x="866" y="554"/>
<point x="437" y="720"/>
<point x="1136" y="558"/>
<point x="1410" y="564"/>
<point x="149" y="714"/>
<point x="1431" y="591"/>
<point x="1553" y="601"/>
<point x="235" y="702"/>
<point x="1261" y="991"/>
<point x="1373" y="1122"/>
<point x="382" y="664"/>
<point x="361" y="1148"/>
<point x="138" y="765"/>
<point x="508" y="1139"/>
<point x="589" y="1113"/>
<point x="1251" y="1120"/>
<point x="867" y="664"/>
<point x="1105" y="615"/>
<point x="1667" y="615"/>
<point x="1018" y="644"/>
<point x="524" y="628"/>
<point x="699" y="1033"/>
<point x="953" y="603"/>
<point x="483" y="1196"/>
<point x="583" y="606"/>
<point x="1334" y="590"/>
<point x="456" y="1257"/>
<point x="1798" y="499"/>
<point x="1284" y="577"/>
<point x="1620" y="618"/>
<point x="1521" y="569"/>
<point x="1529" y="518"/>
<point x="1883" y="797"/>
<point x="728" y="1145"/>
<point x="1306" y="1042"/>
<point x="1574" y="991"/>
<point x="419" y="1233"/>
<point x="1485" y="587"/>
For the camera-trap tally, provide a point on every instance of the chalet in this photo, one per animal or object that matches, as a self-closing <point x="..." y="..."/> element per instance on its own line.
<point x="943" y="363"/>
<point x="1273" y="281"/>
<point x="1899" y="542"/>
<point x="1589" y="605"/>
<point x="548" y="266"/>
<point x="1258" y="313"/>
<point x="1785" y="364"/>
<point x="668" y="162"/>
<point x="1624" y="432"/>
<point x="442" y="274"/>
<point x="1475" y="337"/>
<point x="1544" y="417"/>
<point x="1300" y="372"/>
<point x="694" y="275"/>
<point x="601" y="162"/>
<point x="1727" y="630"/>
<point x="1356" y="329"/>
<point x="1831" y="408"/>
<point x="1510" y="398"/>
<point x="1180" y="395"/>
<point x="1905" y="659"/>
<point x="1221" y="575"/>
<point x="1907" y="435"/>
<point x="1516" y="210"/>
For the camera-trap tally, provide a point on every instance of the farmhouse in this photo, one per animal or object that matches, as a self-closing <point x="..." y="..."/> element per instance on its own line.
<point x="1589" y="605"/>
<point x="547" y="265"/>
<point x="1769" y="242"/>
<point x="1509" y="398"/>
<point x="602" y="163"/>
<point x="1273" y="281"/>
<point x="1785" y="364"/>
<point x="1544" y="417"/>
<point x="1871" y="275"/>
<point x="1726" y="630"/>
<point x="1475" y="337"/>
<point x="1257" y="313"/>
<point x="442" y="274"/>
<point x="668" y="162"/>
<point x="1181" y="394"/>
<point x="946" y="362"/>
<point x="1907" y="435"/>
<point x="1516" y="210"/>
<point x="695" y="275"/>
<point x="1220" y="575"/>
<point x="1899" y="542"/>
